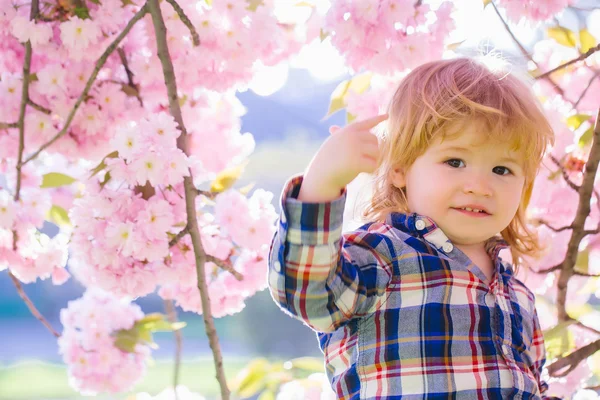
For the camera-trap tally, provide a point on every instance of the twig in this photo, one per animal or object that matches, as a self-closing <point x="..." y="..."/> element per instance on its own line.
<point x="587" y="328"/>
<point x="565" y="175"/>
<point x="582" y="95"/>
<point x="547" y="270"/>
<point x="546" y="224"/>
<point x="225" y="265"/>
<point x="190" y="193"/>
<point x="172" y="316"/>
<point x="184" y="18"/>
<point x="179" y="236"/>
<point x="6" y="125"/>
<point x="123" y="58"/>
<point x="583" y="210"/>
<point x="99" y="64"/>
<point x="30" y="304"/>
<point x="38" y="107"/>
<point x="571" y="361"/>
<point x="524" y="51"/>
<point x="586" y="274"/>
<point x="210" y="195"/>
<point x="573" y="61"/>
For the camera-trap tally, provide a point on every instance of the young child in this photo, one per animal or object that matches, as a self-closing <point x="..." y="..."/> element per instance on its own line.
<point x="416" y="304"/>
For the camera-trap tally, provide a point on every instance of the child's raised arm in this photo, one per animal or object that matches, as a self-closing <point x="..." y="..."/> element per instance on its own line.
<point x="348" y="152"/>
<point x="315" y="273"/>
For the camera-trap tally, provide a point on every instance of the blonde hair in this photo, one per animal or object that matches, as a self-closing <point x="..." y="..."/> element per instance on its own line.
<point x="438" y="96"/>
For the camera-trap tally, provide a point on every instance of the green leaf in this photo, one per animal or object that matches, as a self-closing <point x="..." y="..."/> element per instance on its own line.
<point x="308" y="364"/>
<point x="358" y="84"/>
<point x="145" y="335"/>
<point x="252" y="378"/>
<point x="82" y="12"/>
<point x="254" y="4"/>
<point x="56" y="179"/>
<point x="267" y="395"/>
<point x="575" y="121"/>
<point x="559" y="340"/>
<point x="594" y="362"/>
<point x="587" y="40"/>
<point x="304" y="4"/>
<point x="58" y="216"/>
<point x="583" y="260"/>
<point x="102" y="164"/>
<point x="562" y="35"/>
<point x="336" y="101"/>
<point x="163" y="326"/>
<point x="323" y="35"/>
<point x="126" y="340"/>
<point x="227" y="178"/>
<point x="96" y="2"/>
<point x="350" y="118"/>
<point x="456" y="45"/>
<point x="586" y="137"/>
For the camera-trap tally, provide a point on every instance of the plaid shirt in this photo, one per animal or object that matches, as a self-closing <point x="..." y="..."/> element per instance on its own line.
<point x="402" y="313"/>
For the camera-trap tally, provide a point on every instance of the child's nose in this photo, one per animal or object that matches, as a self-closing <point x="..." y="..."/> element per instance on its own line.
<point x="478" y="184"/>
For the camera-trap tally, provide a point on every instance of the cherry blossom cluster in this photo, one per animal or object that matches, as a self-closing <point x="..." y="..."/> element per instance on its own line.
<point x="385" y="36"/>
<point x="37" y="256"/>
<point x="239" y="226"/>
<point x="234" y="36"/>
<point x="532" y="10"/>
<point x="87" y="344"/>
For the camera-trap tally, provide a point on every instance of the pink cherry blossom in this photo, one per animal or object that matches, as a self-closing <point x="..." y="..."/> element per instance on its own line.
<point x="95" y="365"/>
<point x="78" y="35"/>
<point x="533" y="10"/>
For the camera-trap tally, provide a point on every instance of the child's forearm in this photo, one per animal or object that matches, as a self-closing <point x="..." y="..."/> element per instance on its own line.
<point x="316" y="189"/>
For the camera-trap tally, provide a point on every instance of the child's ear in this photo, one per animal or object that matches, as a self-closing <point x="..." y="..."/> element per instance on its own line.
<point x="398" y="177"/>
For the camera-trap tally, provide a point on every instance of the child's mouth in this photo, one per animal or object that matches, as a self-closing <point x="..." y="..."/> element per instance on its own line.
<point x="476" y="214"/>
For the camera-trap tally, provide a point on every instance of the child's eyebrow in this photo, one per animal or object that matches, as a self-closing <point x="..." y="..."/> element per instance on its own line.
<point x="467" y="150"/>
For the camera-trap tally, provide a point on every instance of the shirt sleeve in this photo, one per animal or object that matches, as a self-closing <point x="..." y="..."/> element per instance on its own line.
<point x="538" y="349"/>
<point x="318" y="275"/>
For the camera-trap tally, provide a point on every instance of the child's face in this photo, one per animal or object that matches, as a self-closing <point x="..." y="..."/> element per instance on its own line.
<point x="444" y="178"/>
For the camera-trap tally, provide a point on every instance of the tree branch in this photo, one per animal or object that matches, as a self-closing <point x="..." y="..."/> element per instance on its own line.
<point x="99" y="64"/>
<point x="6" y="125"/>
<point x="207" y="194"/>
<point x="184" y="18"/>
<point x="190" y="193"/>
<point x="573" y="61"/>
<point x="546" y="224"/>
<point x="38" y="107"/>
<point x="172" y="316"/>
<point x="524" y="51"/>
<point x="547" y="270"/>
<point x="570" y="362"/>
<point x="583" y="210"/>
<point x="179" y="236"/>
<point x="225" y="265"/>
<point x="123" y="58"/>
<point x="565" y="175"/>
<point x="582" y="95"/>
<point x="30" y="304"/>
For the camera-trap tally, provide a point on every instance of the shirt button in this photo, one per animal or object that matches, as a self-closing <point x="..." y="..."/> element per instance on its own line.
<point x="447" y="247"/>
<point x="277" y="266"/>
<point x="420" y="224"/>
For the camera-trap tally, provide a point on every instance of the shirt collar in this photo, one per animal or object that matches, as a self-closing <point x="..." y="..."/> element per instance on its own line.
<point x="424" y="227"/>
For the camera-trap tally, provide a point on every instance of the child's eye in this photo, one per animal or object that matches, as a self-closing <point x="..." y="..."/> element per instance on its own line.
<point x="508" y="171"/>
<point x="454" y="162"/>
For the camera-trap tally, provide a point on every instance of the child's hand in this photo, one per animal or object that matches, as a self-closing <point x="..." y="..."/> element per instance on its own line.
<point x="345" y="154"/>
